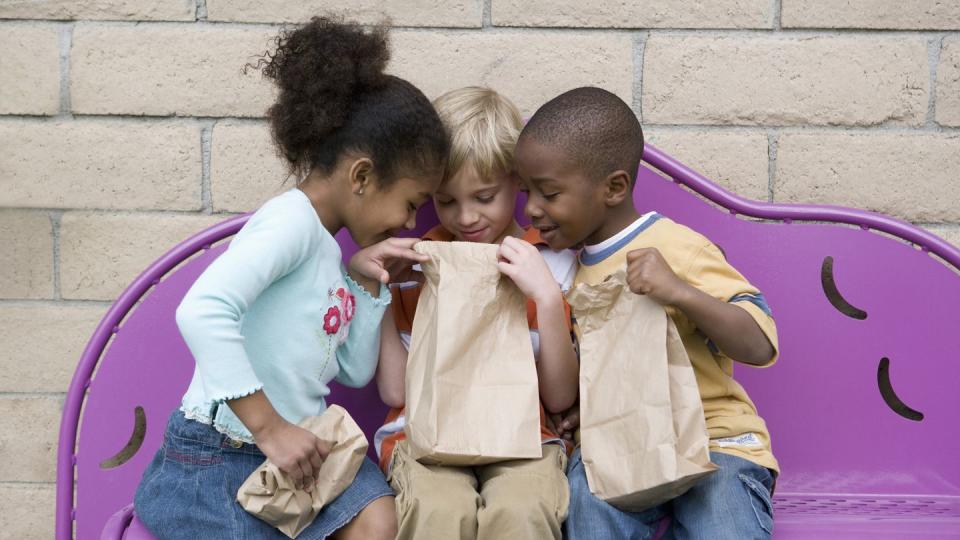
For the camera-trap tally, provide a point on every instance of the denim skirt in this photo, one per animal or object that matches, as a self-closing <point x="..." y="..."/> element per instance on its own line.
<point x="189" y="491"/>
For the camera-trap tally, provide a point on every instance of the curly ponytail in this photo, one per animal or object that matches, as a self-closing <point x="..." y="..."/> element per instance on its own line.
<point x="335" y="97"/>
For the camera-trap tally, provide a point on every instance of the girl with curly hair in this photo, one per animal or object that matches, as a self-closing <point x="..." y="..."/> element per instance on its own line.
<point x="276" y="317"/>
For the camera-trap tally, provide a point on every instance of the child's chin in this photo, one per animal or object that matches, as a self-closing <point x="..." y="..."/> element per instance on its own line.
<point x="560" y="244"/>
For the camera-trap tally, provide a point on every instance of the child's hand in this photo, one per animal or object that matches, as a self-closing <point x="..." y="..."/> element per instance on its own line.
<point x="649" y="274"/>
<point x="388" y="259"/>
<point x="565" y="424"/>
<point x="295" y="451"/>
<point x="522" y="262"/>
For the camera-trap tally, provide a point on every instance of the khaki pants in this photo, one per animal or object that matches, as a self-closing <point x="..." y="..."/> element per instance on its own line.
<point x="524" y="498"/>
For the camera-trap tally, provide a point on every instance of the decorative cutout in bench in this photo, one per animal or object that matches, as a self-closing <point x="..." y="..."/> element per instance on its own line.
<point x="890" y="397"/>
<point x="133" y="445"/>
<point x="833" y="294"/>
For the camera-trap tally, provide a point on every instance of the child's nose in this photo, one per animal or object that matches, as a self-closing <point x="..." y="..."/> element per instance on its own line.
<point x="411" y="222"/>
<point x="531" y="209"/>
<point x="467" y="218"/>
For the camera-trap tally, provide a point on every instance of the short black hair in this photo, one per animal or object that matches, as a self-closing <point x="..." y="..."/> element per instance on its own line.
<point x="594" y="127"/>
<point x="334" y="97"/>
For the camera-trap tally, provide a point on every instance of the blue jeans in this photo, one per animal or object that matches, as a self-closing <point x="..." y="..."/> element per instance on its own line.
<point x="189" y="490"/>
<point x="732" y="503"/>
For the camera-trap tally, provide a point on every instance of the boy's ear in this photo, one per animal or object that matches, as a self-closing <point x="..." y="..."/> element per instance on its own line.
<point x="362" y="175"/>
<point x="617" y="188"/>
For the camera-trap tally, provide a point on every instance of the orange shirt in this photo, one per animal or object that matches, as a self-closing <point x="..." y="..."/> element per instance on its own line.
<point x="404" y="305"/>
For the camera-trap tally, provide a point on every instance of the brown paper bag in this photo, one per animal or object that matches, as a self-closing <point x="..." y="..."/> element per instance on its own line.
<point x="269" y="494"/>
<point x="644" y="440"/>
<point x="471" y="384"/>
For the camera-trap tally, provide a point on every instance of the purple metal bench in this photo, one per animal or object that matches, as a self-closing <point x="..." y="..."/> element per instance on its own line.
<point x="861" y="404"/>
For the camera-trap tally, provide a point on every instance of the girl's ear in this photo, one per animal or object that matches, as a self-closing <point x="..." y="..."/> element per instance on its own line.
<point x="362" y="176"/>
<point x="617" y="188"/>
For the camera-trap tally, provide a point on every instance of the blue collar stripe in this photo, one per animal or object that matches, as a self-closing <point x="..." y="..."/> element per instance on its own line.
<point x="600" y="256"/>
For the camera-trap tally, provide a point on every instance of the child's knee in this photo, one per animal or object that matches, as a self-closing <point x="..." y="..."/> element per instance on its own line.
<point x="456" y="503"/>
<point x="377" y="521"/>
<point x="525" y="515"/>
<point x="528" y="500"/>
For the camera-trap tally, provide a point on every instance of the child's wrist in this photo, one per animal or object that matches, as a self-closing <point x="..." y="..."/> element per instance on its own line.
<point x="684" y="295"/>
<point x="262" y="428"/>
<point x="548" y="298"/>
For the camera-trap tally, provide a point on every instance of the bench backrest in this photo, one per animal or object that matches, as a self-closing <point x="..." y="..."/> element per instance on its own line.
<point x="830" y="402"/>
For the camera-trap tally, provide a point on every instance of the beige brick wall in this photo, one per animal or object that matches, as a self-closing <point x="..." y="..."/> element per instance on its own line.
<point x="127" y="125"/>
<point x="761" y="80"/>
<point x="30" y="66"/>
<point x="882" y="14"/>
<point x="948" y="84"/>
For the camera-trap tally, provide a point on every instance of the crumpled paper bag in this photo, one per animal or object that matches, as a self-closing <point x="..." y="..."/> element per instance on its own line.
<point x="269" y="494"/>
<point x="643" y="436"/>
<point x="471" y="382"/>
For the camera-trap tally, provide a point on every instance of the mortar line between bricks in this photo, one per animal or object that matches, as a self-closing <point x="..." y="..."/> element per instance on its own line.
<point x="934" y="46"/>
<point x="946" y="225"/>
<point x="55" y="217"/>
<point x="859" y="130"/>
<point x="776" y="12"/>
<point x="172" y="119"/>
<point x="505" y="28"/>
<point x="206" y="199"/>
<point x="886" y="127"/>
<point x="773" y="139"/>
<point x="5" y="393"/>
<point x="639" y="47"/>
<point x="702" y="32"/>
<point x="129" y="211"/>
<point x="486" y="14"/>
<point x="798" y="33"/>
<point x="46" y="302"/>
<point x="65" y="43"/>
<point x="201" y="10"/>
<point x="22" y="483"/>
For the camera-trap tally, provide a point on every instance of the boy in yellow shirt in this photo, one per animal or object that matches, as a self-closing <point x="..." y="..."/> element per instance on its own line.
<point x="578" y="157"/>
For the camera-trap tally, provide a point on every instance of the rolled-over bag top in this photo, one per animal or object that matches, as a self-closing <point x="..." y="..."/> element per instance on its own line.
<point x="644" y="439"/>
<point x="471" y="378"/>
<point x="270" y="495"/>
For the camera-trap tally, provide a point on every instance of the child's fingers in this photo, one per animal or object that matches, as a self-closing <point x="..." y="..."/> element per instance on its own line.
<point x="504" y="256"/>
<point x="508" y="252"/>
<point x="296" y="474"/>
<point x="506" y="269"/>
<point x="572" y="420"/>
<point x="323" y="448"/>
<point x="316" y="461"/>
<point x="523" y="245"/>
<point x="403" y="242"/>
<point x="396" y="252"/>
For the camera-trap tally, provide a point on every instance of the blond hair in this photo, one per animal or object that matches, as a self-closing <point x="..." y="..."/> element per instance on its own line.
<point x="483" y="127"/>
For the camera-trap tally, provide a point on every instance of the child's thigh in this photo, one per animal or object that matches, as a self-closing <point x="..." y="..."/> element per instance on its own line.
<point x="590" y="517"/>
<point x="524" y="482"/>
<point x="190" y="487"/>
<point x="452" y="489"/>
<point x="733" y="503"/>
<point x="525" y="498"/>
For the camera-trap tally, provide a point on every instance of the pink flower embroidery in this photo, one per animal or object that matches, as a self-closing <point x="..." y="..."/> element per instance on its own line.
<point x="331" y="321"/>
<point x="349" y="307"/>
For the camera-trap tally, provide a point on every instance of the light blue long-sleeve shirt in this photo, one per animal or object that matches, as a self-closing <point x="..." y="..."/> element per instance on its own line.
<point x="277" y="312"/>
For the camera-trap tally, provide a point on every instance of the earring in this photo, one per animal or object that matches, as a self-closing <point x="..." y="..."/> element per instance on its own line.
<point x="360" y="192"/>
